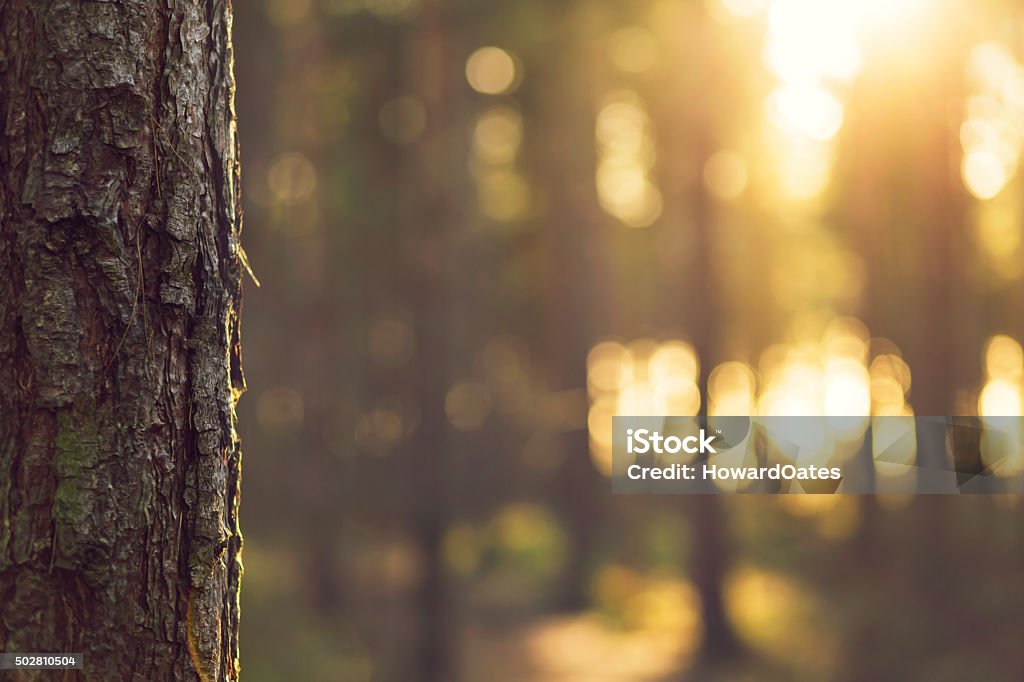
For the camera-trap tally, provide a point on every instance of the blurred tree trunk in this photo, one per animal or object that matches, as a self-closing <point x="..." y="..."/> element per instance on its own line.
<point x="579" y="491"/>
<point x="919" y="291"/>
<point x="711" y="531"/>
<point x="429" y="219"/>
<point x="687" y="149"/>
<point x="120" y="274"/>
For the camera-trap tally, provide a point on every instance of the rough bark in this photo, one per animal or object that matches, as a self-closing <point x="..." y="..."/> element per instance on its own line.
<point x="119" y="360"/>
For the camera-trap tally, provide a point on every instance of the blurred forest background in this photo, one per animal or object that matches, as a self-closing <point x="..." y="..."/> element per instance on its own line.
<point x="483" y="228"/>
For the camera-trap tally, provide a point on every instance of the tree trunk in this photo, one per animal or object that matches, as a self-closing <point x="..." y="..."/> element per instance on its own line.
<point x="697" y="272"/>
<point x="119" y="341"/>
<point x="431" y="220"/>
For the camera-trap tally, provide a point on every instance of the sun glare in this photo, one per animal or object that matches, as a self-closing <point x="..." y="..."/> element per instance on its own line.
<point x="625" y="187"/>
<point x="806" y="109"/>
<point x="491" y="70"/>
<point x="991" y="134"/>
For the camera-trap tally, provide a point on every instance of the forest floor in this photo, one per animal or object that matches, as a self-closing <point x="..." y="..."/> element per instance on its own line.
<point x="574" y="648"/>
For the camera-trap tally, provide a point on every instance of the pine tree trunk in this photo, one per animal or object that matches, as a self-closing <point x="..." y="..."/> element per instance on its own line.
<point x="119" y="357"/>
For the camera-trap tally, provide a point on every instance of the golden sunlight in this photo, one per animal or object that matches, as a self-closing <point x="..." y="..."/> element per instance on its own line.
<point x="491" y="71"/>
